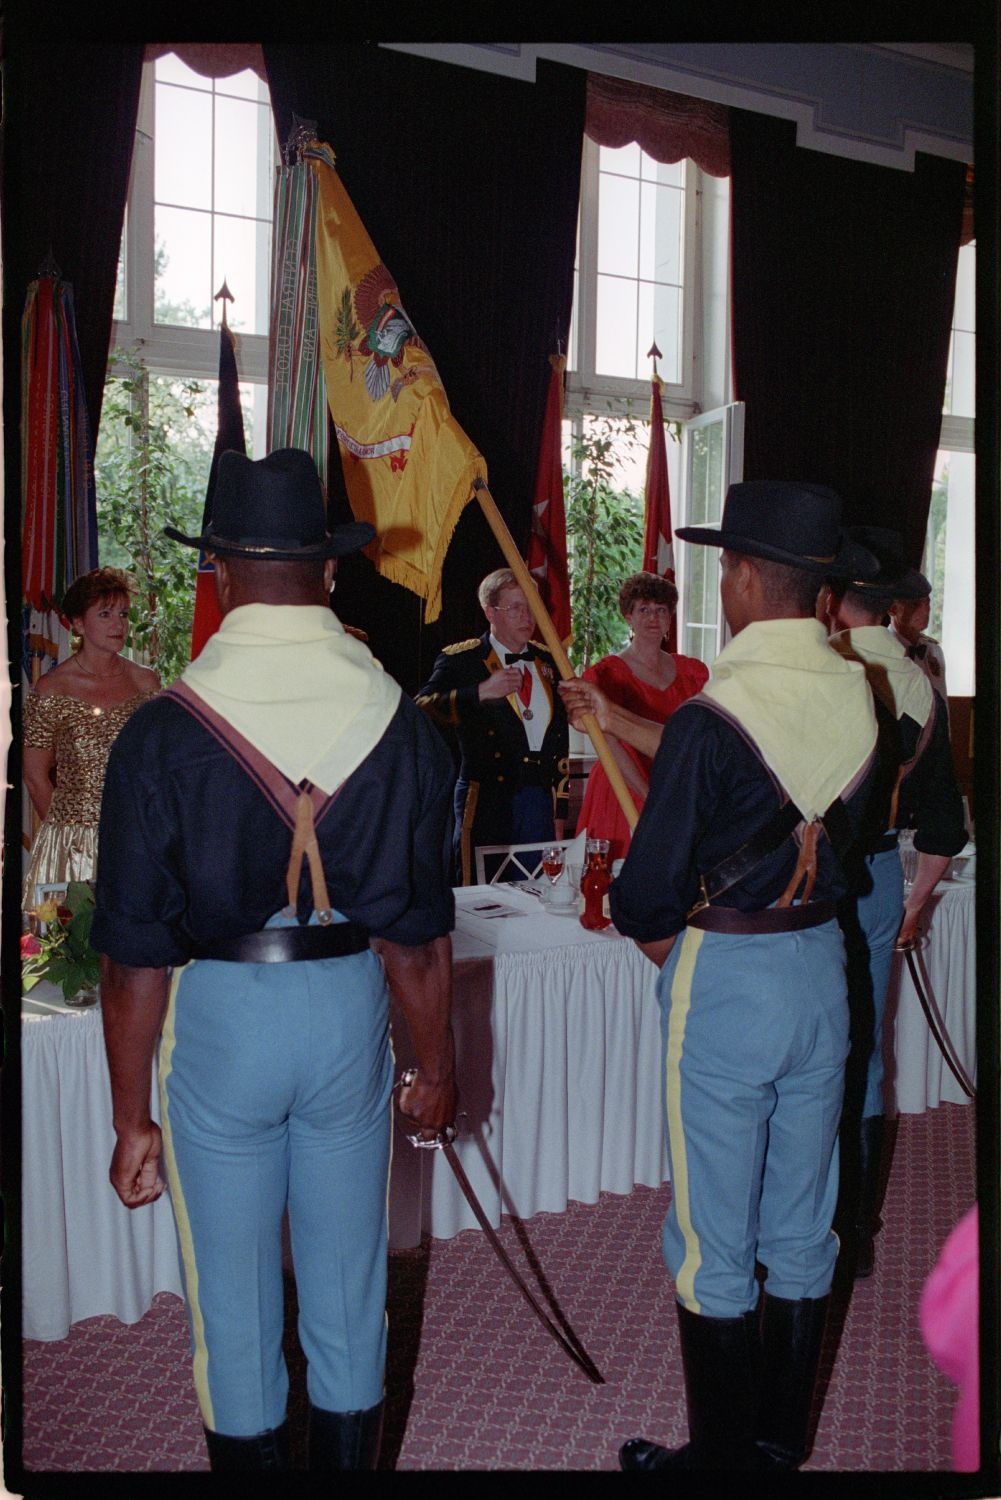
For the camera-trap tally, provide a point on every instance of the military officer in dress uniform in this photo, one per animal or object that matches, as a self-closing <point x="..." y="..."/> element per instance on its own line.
<point x="908" y="623"/>
<point x="498" y="692"/>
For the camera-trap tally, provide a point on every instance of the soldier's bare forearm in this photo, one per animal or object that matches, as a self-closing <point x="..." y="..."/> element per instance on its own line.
<point x="420" y="978"/>
<point x="133" y="1002"/>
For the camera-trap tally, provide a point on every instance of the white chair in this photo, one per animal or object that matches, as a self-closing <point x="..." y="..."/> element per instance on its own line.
<point x="498" y="862"/>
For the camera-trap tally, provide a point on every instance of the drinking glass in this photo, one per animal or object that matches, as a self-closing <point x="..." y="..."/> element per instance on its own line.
<point x="552" y="862"/>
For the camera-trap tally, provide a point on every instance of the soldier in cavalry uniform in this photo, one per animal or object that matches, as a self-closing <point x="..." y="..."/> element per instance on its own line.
<point x="498" y="693"/>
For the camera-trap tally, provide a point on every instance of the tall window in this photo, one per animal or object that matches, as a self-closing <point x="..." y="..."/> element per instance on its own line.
<point x="635" y="281"/>
<point x="651" y="269"/>
<point x="199" y="214"/>
<point x="949" y="546"/>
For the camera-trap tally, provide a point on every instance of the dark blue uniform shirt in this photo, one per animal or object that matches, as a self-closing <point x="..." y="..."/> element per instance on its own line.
<point x="710" y="793"/>
<point x="191" y="850"/>
<point x="929" y="800"/>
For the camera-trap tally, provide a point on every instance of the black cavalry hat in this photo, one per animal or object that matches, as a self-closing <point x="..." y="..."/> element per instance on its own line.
<point x="895" y="579"/>
<point x="273" y="509"/>
<point x="787" y="522"/>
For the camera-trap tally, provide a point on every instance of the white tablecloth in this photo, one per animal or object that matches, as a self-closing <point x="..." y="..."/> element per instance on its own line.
<point x="558" y="1053"/>
<point x="83" y="1252"/>
<point x="558" y="1044"/>
<point x="558" y="1049"/>
<point x="917" y="1076"/>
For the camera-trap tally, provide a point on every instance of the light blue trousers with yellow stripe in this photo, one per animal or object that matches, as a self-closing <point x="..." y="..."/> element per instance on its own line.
<point x="275" y="1082"/>
<point x="755" y="1037"/>
<point x="880" y="913"/>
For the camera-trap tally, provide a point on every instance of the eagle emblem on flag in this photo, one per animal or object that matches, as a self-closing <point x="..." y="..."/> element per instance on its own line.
<point x="373" y="326"/>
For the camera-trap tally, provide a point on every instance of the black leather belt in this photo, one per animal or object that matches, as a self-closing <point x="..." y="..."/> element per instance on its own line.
<point x="772" y="919"/>
<point x="284" y="945"/>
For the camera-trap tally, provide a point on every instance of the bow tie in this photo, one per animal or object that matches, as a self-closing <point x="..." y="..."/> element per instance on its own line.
<point x="917" y="653"/>
<point x="510" y="656"/>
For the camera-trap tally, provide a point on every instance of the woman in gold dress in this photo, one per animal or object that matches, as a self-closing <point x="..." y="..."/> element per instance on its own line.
<point x="71" y="719"/>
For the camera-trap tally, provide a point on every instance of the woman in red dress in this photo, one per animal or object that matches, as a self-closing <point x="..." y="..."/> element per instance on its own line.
<point x="648" y="680"/>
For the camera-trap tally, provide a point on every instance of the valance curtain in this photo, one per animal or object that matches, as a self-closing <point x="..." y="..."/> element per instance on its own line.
<point x="668" y="127"/>
<point x="843" y="288"/>
<point x="213" y="59"/>
<point x="468" y="185"/>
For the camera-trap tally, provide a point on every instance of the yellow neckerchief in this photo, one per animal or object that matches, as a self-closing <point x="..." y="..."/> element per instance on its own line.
<point x="808" y="711"/>
<point x="308" y="695"/>
<point x="897" y="681"/>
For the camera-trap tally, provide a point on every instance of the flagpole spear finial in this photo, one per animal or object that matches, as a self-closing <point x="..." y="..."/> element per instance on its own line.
<point x="227" y="296"/>
<point x="48" y="266"/>
<point x="654" y="353"/>
<point x="300" y="134"/>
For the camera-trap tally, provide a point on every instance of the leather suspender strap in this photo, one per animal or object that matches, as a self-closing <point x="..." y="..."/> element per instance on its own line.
<point x="778" y="828"/>
<point x="743" y="860"/>
<point x="300" y="808"/>
<point x="282" y="794"/>
<point x="304" y="842"/>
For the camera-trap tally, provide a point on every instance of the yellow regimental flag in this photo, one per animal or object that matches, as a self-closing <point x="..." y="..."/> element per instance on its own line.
<point x="408" y="465"/>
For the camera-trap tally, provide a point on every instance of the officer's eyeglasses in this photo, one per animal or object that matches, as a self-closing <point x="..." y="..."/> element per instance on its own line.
<point x="512" y="609"/>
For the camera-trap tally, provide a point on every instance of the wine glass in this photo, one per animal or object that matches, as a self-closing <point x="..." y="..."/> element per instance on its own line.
<point x="553" y="858"/>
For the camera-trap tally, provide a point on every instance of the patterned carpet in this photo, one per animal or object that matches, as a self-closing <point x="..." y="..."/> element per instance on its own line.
<point x="475" y="1383"/>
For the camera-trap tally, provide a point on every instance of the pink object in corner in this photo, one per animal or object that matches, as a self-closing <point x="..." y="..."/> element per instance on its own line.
<point x="949" y="1324"/>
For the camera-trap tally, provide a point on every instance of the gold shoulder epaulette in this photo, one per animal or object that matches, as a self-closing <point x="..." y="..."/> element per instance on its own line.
<point x="461" y="646"/>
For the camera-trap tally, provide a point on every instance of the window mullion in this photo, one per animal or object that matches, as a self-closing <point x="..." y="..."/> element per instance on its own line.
<point x="587" y="282"/>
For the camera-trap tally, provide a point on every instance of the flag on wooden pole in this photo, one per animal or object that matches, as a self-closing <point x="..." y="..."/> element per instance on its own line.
<point x="408" y="466"/>
<point x="658" y="537"/>
<point x="229" y="434"/>
<point x="547" y="545"/>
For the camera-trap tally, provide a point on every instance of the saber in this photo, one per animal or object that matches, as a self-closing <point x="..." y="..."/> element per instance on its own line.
<point x="936" y="1025"/>
<point x="443" y="1142"/>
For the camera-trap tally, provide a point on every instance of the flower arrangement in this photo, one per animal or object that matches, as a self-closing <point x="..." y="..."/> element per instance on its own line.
<point x="60" y="951"/>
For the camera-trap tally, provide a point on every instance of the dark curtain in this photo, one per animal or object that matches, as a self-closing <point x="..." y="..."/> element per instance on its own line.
<point x="468" y="185"/>
<point x="68" y="130"/>
<point x="843" y="285"/>
<point x="69" y="113"/>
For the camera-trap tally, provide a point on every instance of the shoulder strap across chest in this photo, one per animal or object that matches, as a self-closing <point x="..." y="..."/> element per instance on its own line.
<point x="299" y="807"/>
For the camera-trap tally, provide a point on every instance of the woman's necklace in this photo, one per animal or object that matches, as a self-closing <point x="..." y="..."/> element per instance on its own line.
<point x="101" y="676"/>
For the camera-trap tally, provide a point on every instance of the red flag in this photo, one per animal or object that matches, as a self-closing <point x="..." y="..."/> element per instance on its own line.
<point x="229" y="434"/>
<point x="547" y="546"/>
<point x="658" y="538"/>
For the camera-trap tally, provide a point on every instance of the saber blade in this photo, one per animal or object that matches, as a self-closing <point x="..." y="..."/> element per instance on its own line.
<point x="936" y="1026"/>
<point x="575" y="1350"/>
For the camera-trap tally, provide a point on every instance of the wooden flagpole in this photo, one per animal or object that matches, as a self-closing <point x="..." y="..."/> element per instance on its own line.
<point x="529" y="588"/>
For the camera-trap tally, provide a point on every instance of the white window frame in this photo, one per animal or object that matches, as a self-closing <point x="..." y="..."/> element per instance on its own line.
<point x="731" y="418"/>
<point x="591" y="393"/>
<point x="164" y="349"/>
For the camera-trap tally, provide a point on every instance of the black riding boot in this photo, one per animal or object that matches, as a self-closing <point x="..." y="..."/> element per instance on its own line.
<point x="344" y="1439"/>
<point x="870" y="1165"/>
<point x="265" y="1450"/>
<point x="791" y="1336"/>
<point x="720" y="1358"/>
